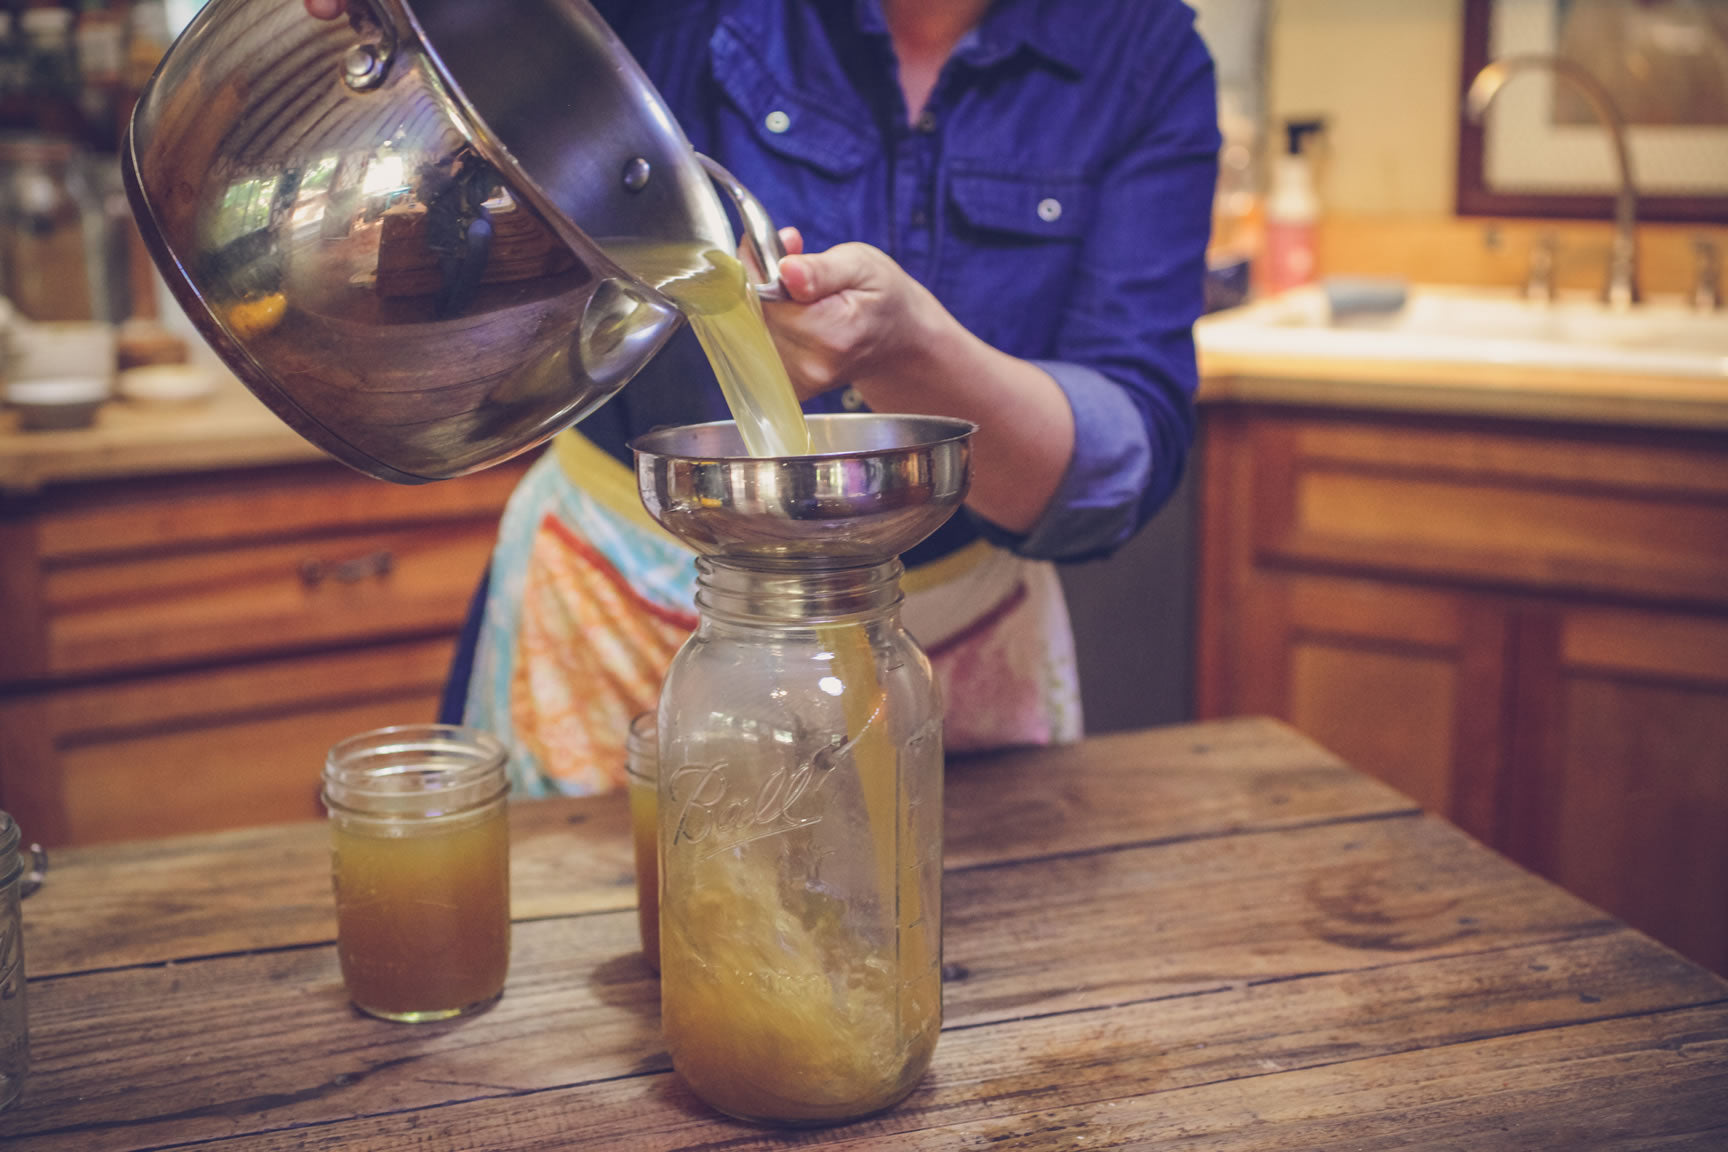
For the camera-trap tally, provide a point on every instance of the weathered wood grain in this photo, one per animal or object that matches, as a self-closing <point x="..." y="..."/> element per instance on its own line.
<point x="1210" y="937"/>
<point x="248" y="1040"/>
<point x="151" y="901"/>
<point x="1572" y="1050"/>
<point x="1192" y="780"/>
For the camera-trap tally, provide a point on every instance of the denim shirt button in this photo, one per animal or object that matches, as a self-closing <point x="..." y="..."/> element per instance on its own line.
<point x="851" y="399"/>
<point x="1050" y="210"/>
<point x="927" y="122"/>
<point x="777" y="122"/>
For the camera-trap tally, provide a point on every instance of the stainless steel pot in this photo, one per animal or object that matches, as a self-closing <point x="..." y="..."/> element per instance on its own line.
<point x="393" y="228"/>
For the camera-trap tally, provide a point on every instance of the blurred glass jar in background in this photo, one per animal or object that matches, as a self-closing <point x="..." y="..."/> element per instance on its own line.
<point x="17" y="880"/>
<point x="56" y="232"/>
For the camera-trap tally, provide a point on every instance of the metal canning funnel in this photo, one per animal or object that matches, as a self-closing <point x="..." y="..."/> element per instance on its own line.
<point x="876" y="485"/>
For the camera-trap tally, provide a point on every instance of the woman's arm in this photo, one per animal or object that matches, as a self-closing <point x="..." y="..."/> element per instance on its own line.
<point x="857" y="318"/>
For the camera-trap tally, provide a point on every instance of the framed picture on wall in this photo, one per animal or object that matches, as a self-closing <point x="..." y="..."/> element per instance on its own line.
<point x="1541" y="151"/>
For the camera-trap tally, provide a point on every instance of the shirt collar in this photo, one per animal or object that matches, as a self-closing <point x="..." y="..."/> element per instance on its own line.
<point x="1010" y="25"/>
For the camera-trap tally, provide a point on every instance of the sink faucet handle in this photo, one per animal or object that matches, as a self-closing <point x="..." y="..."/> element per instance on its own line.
<point x="1706" y="275"/>
<point x="1621" y="290"/>
<point x="1539" y="278"/>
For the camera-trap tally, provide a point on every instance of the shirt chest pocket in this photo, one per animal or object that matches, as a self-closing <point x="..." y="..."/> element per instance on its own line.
<point x="1012" y="252"/>
<point x="1015" y="210"/>
<point x="800" y="157"/>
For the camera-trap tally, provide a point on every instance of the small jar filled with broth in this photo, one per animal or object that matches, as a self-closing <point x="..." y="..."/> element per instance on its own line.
<point x="421" y="865"/>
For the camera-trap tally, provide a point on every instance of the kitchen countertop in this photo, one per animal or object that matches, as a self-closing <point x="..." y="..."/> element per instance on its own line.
<point x="229" y="429"/>
<point x="1214" y="934"/>
<point x="234" y="430"/>
<point x="1506" y="391"/>
<point x="1474" y="352"/>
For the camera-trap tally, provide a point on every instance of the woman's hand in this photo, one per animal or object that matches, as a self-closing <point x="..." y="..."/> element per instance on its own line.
<point x="857" y="318"/>
<point x="853" y="315"/>
<point x="326" y="9"/>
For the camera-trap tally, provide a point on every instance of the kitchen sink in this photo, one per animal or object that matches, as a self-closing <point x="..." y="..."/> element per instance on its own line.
<point x="1474" y="326"/>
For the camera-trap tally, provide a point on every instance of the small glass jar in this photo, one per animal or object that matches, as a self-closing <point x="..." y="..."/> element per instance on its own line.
<point x="801" y="845"/>
<point x="14" y="1018"/>
<point x="642" y="767"/>
<point x="421" y="866"/>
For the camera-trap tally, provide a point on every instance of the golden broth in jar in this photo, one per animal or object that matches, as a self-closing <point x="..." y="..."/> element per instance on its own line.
<point x="421" y="869"/>
<point x="423" y="919"/>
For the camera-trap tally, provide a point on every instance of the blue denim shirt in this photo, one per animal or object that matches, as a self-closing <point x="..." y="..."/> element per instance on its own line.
<point x="1055" y="195"/>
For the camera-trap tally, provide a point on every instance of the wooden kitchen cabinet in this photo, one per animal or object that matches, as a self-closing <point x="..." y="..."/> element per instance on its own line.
<point x="1522" y="625"/>
<point x="178" y="651"/>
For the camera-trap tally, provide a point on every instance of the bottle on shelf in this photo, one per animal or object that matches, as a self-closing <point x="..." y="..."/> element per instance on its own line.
<point x="1293" y="213"/>
<point x="99" y="38"/>
<point x="51" y="74"/>
<point x="15" y="114"/>
<point x="147" y="41"/>
<point x="1237" y="213"/>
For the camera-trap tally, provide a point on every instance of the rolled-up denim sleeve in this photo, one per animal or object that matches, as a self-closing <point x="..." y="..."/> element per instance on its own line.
<point x="1094" y="509"/>
<point x="1124" y="353"/>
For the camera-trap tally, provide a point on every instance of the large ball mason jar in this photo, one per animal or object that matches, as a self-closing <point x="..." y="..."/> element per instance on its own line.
<point x="801" y="841"/>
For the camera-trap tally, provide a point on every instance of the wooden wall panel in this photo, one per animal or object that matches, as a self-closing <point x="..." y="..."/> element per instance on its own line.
<point x="262" y="505"/>
<point x="202" y="750"/>
<point x="239" y="601"/>
<point x="1390" y="713"/>
<point x="256" y="771"/>
<point x="1642" y="821"/>
<point x="1523" y="627"/>
<point x="1535" y="536"/>
<point x="178" y="651"/>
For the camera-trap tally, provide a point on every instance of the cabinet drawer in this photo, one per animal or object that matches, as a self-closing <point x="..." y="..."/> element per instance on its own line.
<point x="170" y="571"/>
<point x="179" y="513"/>
<point x="197" y="751"/>
<point x="107" y="614"/>
<point x="1541" y="511"/>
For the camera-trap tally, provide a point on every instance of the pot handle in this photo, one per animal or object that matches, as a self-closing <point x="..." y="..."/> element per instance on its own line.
<point x="762" y="249"/>
<point x="367" y="64"/>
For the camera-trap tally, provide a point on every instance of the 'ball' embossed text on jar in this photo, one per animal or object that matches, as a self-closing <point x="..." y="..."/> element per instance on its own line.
<point x="421" y="865"/>
<point x="801" y="845"/>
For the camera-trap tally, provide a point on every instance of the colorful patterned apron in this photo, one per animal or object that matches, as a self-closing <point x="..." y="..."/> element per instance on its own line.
<point x="590" y="600"/>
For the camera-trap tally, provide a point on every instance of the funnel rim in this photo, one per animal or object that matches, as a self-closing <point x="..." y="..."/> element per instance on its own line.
<point x="957" y="430"/>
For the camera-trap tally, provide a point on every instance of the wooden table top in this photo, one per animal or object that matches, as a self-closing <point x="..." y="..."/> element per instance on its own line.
<point x="1212" y="936"/>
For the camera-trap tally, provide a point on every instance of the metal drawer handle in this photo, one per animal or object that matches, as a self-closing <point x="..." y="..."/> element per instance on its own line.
<point x="314" y="571"/>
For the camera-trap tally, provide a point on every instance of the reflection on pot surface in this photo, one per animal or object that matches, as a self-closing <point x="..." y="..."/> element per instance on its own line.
<point x="386" y="226"/>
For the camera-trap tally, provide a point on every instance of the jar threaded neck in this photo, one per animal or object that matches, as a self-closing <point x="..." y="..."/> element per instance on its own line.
<point x="785" y="593"/>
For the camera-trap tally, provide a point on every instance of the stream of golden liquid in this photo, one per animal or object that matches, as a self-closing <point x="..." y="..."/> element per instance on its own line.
<point x="710" y="288"/>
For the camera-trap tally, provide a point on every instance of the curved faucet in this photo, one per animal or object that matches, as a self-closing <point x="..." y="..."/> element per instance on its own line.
<point x="1622" y="290"/>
